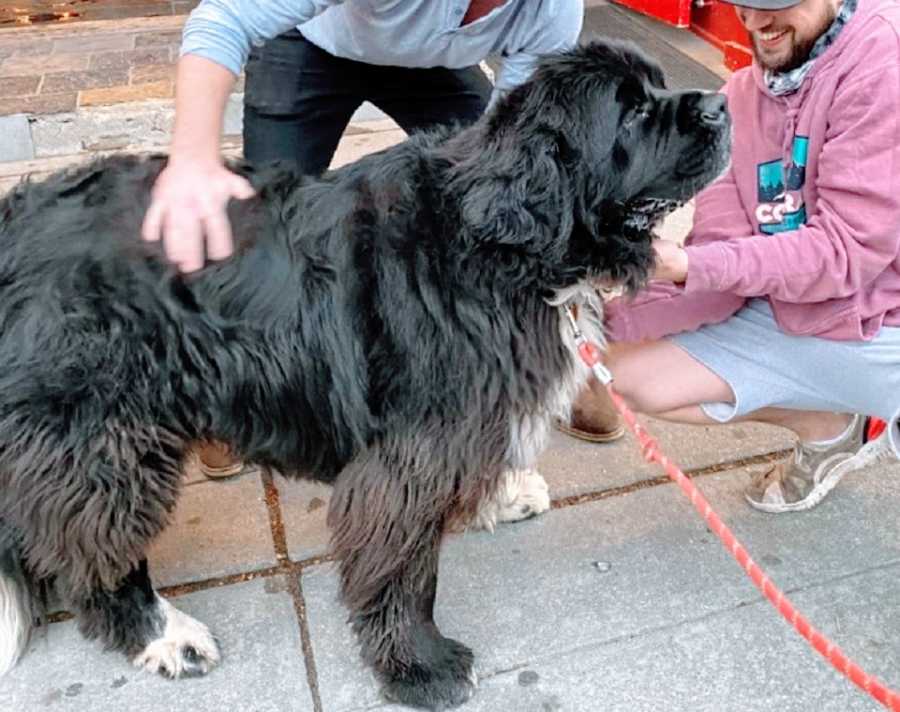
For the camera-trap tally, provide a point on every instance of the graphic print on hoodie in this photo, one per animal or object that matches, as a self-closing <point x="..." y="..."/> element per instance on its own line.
<point x="781" y="206"/>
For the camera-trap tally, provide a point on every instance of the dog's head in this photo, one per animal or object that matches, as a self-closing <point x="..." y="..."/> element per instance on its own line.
<point x="580" y="162"/>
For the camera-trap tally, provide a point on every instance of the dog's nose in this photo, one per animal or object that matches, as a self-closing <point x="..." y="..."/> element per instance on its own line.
<point x="713" y="109"/>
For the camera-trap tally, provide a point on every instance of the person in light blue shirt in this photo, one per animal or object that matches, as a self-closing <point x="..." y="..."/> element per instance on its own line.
<point x="309" y="65"/>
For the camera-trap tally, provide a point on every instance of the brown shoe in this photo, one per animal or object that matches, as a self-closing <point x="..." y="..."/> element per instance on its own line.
<point x="215" y="459"/>
<point x="594" y="417"/>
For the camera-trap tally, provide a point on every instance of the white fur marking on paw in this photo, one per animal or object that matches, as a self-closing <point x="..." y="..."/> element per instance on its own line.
<point x="526" y="494"/>
<point x="170" y="654"/>
<point x="520" y="494"/>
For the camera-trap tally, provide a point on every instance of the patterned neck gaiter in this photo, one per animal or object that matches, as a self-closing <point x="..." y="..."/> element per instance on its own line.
<point x="781" y="83"/>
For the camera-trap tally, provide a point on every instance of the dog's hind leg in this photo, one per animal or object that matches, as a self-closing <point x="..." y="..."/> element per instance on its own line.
<point x="387" y="516"/>
<point x="155" y="635"/>
<point x="88" y="512"/>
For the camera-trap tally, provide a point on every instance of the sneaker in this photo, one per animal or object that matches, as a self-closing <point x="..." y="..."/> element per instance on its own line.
<point x="594" y="417"/>
<point x="214" y="460"/>
<point x="814" y="470"/>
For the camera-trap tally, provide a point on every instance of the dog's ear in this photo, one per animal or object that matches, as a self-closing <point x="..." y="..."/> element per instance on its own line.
<point x="518" y="192"/>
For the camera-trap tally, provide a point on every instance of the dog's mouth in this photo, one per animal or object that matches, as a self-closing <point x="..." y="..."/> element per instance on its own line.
<point x="642" y="215"/>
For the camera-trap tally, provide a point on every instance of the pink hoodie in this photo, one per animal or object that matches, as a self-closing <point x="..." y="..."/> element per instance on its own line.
<point x="808" y="215"/>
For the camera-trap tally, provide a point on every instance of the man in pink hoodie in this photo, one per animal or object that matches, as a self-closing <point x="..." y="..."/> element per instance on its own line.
<point x="784" y="305"/>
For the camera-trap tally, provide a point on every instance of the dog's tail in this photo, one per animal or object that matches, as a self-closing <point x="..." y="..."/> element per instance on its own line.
<point x="18" y="604"/>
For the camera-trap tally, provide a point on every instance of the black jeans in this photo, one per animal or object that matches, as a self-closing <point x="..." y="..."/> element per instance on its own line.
<point x="299" y="99"/>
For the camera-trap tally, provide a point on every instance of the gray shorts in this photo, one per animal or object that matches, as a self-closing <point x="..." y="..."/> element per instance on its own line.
<point x="766" y="367"/>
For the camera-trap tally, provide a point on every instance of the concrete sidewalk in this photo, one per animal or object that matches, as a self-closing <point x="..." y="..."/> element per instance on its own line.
<point x="618" y="599"/>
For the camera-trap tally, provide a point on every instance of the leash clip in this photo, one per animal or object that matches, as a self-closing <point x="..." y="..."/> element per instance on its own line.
<point x="588" y="351"/>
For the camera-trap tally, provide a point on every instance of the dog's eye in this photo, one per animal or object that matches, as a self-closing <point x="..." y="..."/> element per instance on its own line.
<point x="639" y="113"/>
<point x="642" y="112"/>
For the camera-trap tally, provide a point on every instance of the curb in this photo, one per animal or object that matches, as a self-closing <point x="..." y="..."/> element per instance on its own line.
<point x="136" y="126"/>
<point x="361" y="137"/>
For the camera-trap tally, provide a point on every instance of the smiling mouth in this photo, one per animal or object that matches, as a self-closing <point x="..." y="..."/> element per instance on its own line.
<point x="767" y="40"/>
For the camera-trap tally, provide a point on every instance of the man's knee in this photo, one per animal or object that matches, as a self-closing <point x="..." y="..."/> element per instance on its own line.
<point x="624" y="363"/>
<point x="657" y="377"/>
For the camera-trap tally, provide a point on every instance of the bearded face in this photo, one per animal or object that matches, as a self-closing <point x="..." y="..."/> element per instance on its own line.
<point x="783" y="39"/>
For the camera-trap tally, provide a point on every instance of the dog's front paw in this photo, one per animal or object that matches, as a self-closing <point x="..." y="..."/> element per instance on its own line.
<point x="185" y="649"/>
<point x="447" y="680"/>
<point x="527" y="495"/>
<point x="520" y="494"/>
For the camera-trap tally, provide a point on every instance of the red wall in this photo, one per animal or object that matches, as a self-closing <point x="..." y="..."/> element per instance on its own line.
<point x="673" y="12"/>
<point x="717" y="23"/>
<point x="714" y="21"/>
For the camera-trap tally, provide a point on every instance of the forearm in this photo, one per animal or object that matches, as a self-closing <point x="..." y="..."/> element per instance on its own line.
<point x="662" y="309"/>
<point x="824" y="259"/>
<point x="201" y="92"/>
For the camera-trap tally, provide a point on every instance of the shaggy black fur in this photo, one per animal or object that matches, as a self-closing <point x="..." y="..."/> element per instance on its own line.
<point x="383" y="328"/>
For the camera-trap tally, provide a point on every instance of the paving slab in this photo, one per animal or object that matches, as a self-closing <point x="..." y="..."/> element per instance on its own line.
<point x="574" y="467"/>
<point x="304" y="508"/>
<point x="262" y="669"/>
<point x="219" y="528"/>
<point x="670" y="669"/>
<point x="15" y="138"/>
<point x="533" y="592"/>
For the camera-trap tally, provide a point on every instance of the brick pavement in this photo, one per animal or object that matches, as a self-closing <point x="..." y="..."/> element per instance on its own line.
<point x="59" y="69"/>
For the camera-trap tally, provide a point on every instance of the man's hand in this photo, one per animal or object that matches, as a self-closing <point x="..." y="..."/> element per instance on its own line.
<point x="671" y="262"/>
<point x="188" y="211"/>
<point x="190" y="196"/>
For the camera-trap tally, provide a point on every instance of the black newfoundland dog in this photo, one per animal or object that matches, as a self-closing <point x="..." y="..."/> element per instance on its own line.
<point x="391" y="328"/>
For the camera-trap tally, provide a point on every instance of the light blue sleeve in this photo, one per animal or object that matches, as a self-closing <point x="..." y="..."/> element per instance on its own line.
<point x="223" y="30"/>
<point x="559" y="32"/>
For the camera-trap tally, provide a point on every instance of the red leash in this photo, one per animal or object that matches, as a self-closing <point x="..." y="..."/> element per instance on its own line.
<point x="590" y="354"/>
